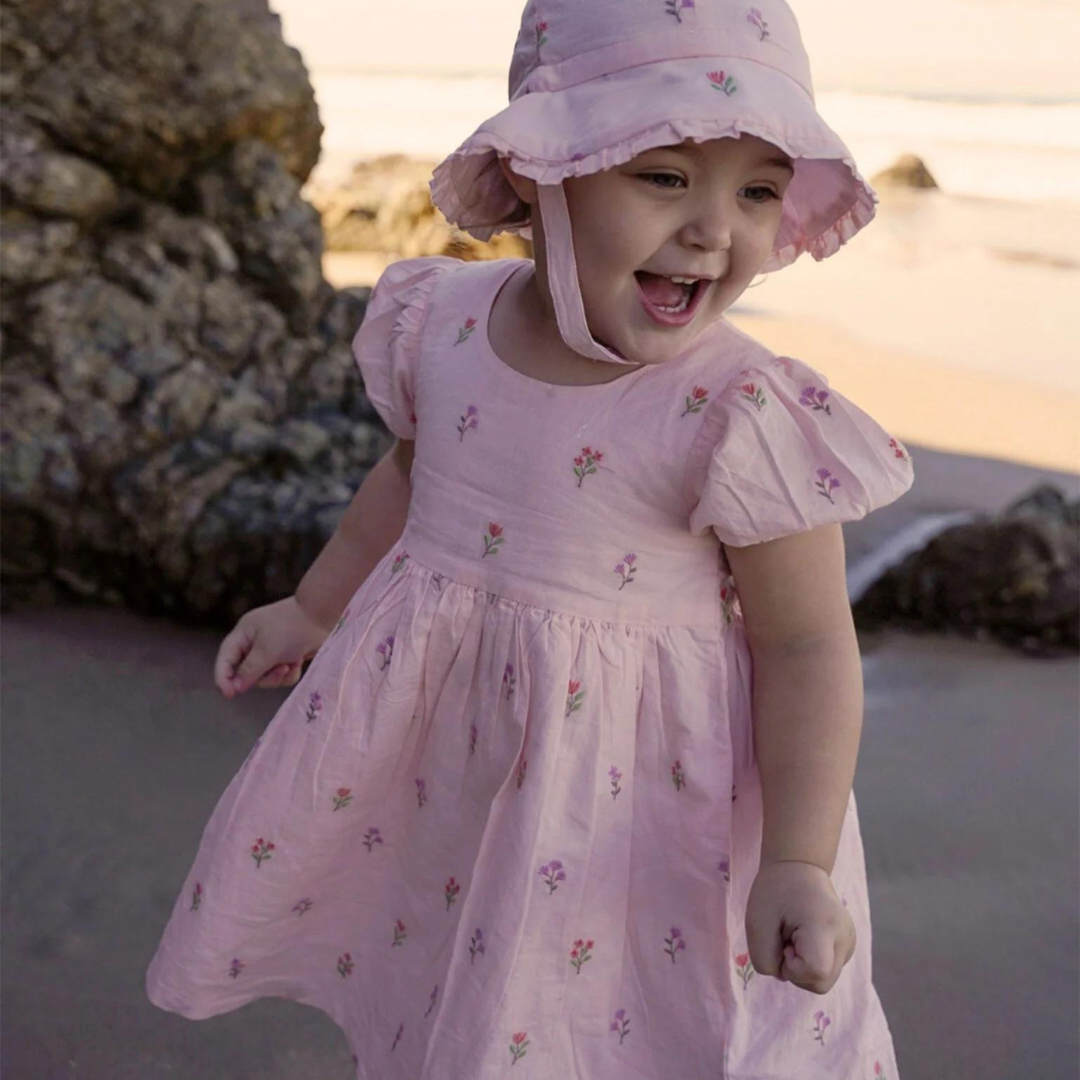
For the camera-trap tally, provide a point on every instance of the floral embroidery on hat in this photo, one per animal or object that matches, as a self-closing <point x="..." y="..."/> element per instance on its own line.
<point x="626" y="569"/>
<point x="814" y="398"/>
<point x="466" y="330"/>
<point x="674" y="7"/>
<point x="492" y="541"/>
<point x="469" y="422"/>
<point x="620" y="1024"/>
<point x="755" y="19"/>
<point x="586" y="463"/>
<point x="721" y="82"/>
<point x="827" y="483"/>
<point x="899" y="450"/>
<point x="695" y="399"/>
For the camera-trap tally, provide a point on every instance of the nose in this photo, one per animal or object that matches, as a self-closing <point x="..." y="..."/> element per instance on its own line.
<point x="708" y="223"/>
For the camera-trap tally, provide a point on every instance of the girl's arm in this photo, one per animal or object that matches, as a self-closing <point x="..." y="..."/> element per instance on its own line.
<point x="373" y="522"/>
<point x="807" y="689"/>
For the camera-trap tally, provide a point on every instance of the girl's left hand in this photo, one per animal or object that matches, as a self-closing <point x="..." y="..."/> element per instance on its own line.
<point x="797" y="930"/>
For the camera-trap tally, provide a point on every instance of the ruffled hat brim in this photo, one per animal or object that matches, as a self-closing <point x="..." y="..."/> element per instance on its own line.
<point x="551" y="135"/>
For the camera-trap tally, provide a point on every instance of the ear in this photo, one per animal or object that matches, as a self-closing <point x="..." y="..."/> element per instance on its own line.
<point x="523" y="186"/>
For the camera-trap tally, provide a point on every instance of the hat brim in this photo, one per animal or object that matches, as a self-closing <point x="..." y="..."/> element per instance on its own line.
<point x="575" y="131"/>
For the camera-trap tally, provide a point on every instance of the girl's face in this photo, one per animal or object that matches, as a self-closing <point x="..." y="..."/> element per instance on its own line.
<point x="709" y="209"/>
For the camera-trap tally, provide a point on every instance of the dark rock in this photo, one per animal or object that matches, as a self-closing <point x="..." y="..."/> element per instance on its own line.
<point x="908" y="171"/>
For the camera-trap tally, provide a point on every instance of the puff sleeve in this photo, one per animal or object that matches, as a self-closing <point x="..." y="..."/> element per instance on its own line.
<point x="780" y="453"/>
<point x="385" y="347"/>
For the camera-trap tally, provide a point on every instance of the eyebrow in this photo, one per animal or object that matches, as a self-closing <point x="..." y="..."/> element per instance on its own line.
<point x="696" y="151"/>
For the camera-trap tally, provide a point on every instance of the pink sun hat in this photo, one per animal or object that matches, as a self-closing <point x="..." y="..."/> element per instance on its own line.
<point x="594" y="84"/>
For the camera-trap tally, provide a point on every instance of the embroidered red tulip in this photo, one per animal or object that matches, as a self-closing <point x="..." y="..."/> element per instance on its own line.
<point x="899" y="450"/>
<point x="678" y="777"/>
<point x="372" y="837"/>
<point x="472" y="739"/>
<point x="551" y="873"/>
<point x="450" y="892"/>
<point x="616" y="776"/>
<point x="508" y="680"/>
<point x="399" y="933"/>
<point x="469" y="422"/>
<point x="753" y="393"/>
<point x="695" y="399"/>
<point x="822" y="1022"/>
<point x="521" y="773"/>
<point x="574" y="696"/>
<point x="586" y="463"/>
<point x="518" y="1042"/>
<point x="719" y="81"/>
<point x="399" y="562"/>
<point x="421" y="791"/>
<point x="466" y="330"/>
<point x="621" y="1024"/>
<point x="397" y="1037"/>
<point x="386" y="650"/>
<point x="540" y="38"/>
<point x="827" y="483"/>
<point x="315" y="704"/>
<point x="196" y="897"/>
<point x="725" y="868"/>
<point x="260" y="850"/>
<point x="675" y="7"/>
<point x="345" y="964"/>
<point x="727" y="602"/>
<point x="235" y="967"/>
<point x="302" y="906"/>
<point x="476" y="945"/>
<point x="342" y="798"/>
<point x="675" y="943"/>
<point x="626" y="569"/>
<point x="814" y="398"/>
<point x="580" y="954"/>
<point x="492" y="539"/>
<point x="744" y="968"/>
<point x="755" y="18"/>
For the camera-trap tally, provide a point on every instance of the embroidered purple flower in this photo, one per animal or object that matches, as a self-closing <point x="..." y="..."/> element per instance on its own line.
<point x="719" y="81"/>
<point x="620" y="1024"/>
<point x="823" y="1022"/>
<point x="725" y="868"/>
<point x="517" y="1045"/>
<point x="450" y="892"/>
<point x="677" y="776"/>
<point x="466" y="330"/>
<point x="815" y="399"/>
<point x="372" y="837"/>
<point x="744" y="968"/>
<point x="469" y="422"/>
<point x="551" y="873"/>
<point x="509" y="681"/>
<point x="616" y="776"/>
<point x="899" y="450"/>
<point x="755" y="18"/>
<point x="315" y="705"/>
<point x="476" y="945"/>
<point x="586" y="463"/>
<point x="345" y="964"/>
<point x="342" y="798"/>
<point x="694" y="400"/>
<point x="626" y="569"/>
<point x="235" y="967"/>
<point x="421" y="791"/>
<point x="399" y="933"/>
<point x="827" y="483"/>
<point x="674" y="7"/>
<point x="386" y="650"/>
<point x="399" y="562"/>
<point x="574" y="696"/>
<point x="753" y="393"/>
<point x="261" y="850"/>
<point x="674" y="943"/>
<point x="196" y="897"/>
<point x="492" y="542"/>
<point x="580" y="954"/>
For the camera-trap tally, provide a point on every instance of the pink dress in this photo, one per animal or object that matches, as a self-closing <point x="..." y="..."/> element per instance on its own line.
<point x="507" y="822"/>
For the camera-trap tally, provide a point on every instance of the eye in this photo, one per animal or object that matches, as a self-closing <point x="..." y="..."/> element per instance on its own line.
<point x="769" y="193"/>
<point x="667" y="176"/>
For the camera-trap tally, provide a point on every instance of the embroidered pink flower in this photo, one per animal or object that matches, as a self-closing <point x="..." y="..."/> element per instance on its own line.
<point x="574" y="696"/>
<point x="626" y="569"/>
<point x="399" y="561"/>
<point x="421" y="791"/>
<point x="540" y="38"/>
<point x="620" y="1024"/>
<point x="815" y="399"/>
<point x="827" y="483"/>
<point x="469" y="422"/>
<point x="677" y="775"/>
<point x="196" y="897"/>
<point x="580" y="954"/>
<point x="586" y="463"/>
<point x="261" y="850"/>
<point x="476" y="945"/>
<point x="345" y="964"/>
<point x="675" y="943"/>
<point x="315" y="704"/>
<point x="755" y="18"/>
<point x="744" y="968"/>
<point x="342" y="798"/>
<point x="753" y="393"/>
<point x="517" y="1046"/>
<point x="492" y="542"/>
<point x="451" y="891"/>
<point x="385" y="649"/>
<point x="823" y="1022"/>
<point x="372" y="837"/>
<point x="694" y="400"/>
<point x="551" y="873"/>
<point x="616" y="776"/>
<point x="674" y="7"/>
<point x="399" y="933"/>
<point x="466" y="330"/>
<point x="719" y="81"/>
<point x="899" y="450"/>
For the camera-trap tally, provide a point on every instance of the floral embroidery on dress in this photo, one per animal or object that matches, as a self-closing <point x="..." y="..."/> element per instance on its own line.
<point x="551" y="873"/>
<point x="345" y="965"/>
<point x="261" y="850"/>
<point x="574" y="696"/>
<point x="399" y="562"/>
<point x="451" y="891"/>
<point x="675" y="7"/>
<point x="517" y="1045"/>
<point x="620" y="1024"/>
<point x="476" y="945"/>
<point x="626" y="569"/>
<point x="674" y="943"/>
<point x="469" y="422"/>
<point x="386" y="650"/>
<point x="725" y="868"/>
<point x="586" y="463"/>
<point x="827" y="483"/>
<point x="753" y="393"/>
<point x="823" y="1022"/>
<point x="616" y="776"/>
<point x="196" y="897"/>
<point x="509" y="681"/>
<point x="235" y="967"/>
<point x="719" y="82"/>
<point x="755" y="18"/>
<point x="580" y="954"/>
<point x="694" y="400"/>
<point x="342" y="798"/>
<point x="315" y="705"/>
<point x="492" y="542"/>
<point x="466" y="330"/>
<point x="399" y="933"/>
<point x="540" y="39"/>
<point x="678" y="777"/>
<point x="744" y="968"/>
<point x="815" y="399"/>
<point x="421" y="791"/>
<point x="372" y="837"/>
<point x="521" y="772"/>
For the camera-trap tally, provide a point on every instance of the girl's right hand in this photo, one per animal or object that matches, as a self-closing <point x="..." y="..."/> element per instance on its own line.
<point x="267" y="648"/>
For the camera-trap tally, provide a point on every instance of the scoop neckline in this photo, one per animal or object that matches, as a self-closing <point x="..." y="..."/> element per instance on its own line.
<point x="539" y="385"/>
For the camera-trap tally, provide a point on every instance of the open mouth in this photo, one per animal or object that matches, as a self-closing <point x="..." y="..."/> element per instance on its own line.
<point x="677" y="314"/>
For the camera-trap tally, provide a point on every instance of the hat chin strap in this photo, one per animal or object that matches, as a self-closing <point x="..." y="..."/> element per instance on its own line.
<point x="563" y="278"/>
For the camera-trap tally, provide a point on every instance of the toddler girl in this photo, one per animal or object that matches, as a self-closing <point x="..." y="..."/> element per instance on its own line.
<point x="566" y="788"/>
